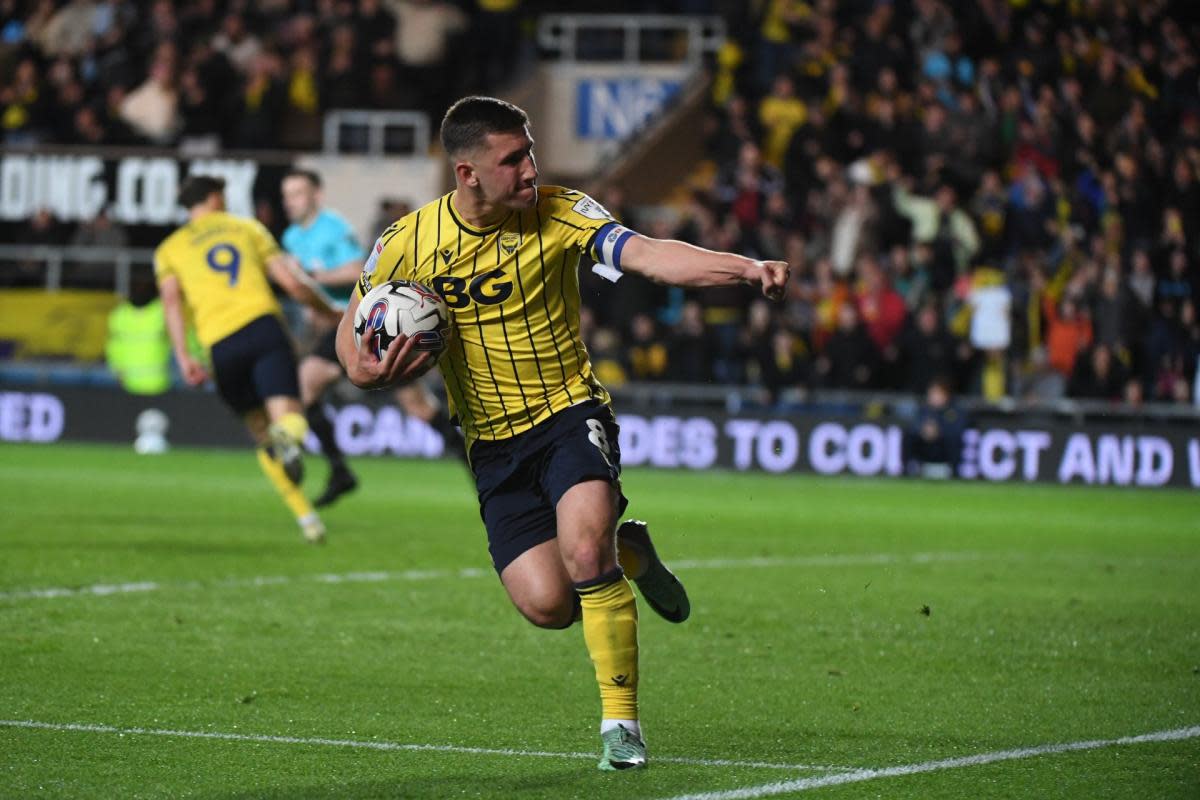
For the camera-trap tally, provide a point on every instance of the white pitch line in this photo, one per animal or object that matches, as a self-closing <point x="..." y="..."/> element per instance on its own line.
<point x="860" y="775"/>
<point x="106" y="589"/>
<point x="387" y="746"/>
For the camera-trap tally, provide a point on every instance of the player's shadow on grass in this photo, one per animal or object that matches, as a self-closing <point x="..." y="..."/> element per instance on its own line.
<point x="564" y="783"/>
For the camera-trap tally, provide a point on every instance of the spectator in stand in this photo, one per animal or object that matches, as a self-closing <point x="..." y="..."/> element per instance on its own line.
<point x="783" y="364"/>
<point x="496" y="43"/>
<point x="425" y="30"/>
<point x="1189" y="347"/>
<point x="775" y="47"/>
<point x="1141" y="281"/>
<point x="100" y="231"/>
<point x="1112" y="314"/>
<point x="1177" y="286"/>
<point x="849" y="359"/>
<point x="882" y="312"/>
<point x="343" y="79"/>
<point x="24" y="101"/>
<point x="300" y="126"/>
<point x="933" y="444"/>
<point x="646" y="354"/>
<point x="1097" y="375"/>
<point x="744" y="186"/>
<point x="204" y="94"/>
<point x="385" y="90"/>
<point x="374" y="27"/>
<point x="780" y="113"/>
<point x="928" y="351"/>
<point x="262" y="102"/>
<point x="152" y="109"/>
<point x="43" y="229"/>
<point x="1068" y="331"/>
<point x="939" y="221"/>
<point x="989" y="301"/>
<point x="689" y="347"/>
<point x="237" y="43"/>
<point x="853" y="228"/>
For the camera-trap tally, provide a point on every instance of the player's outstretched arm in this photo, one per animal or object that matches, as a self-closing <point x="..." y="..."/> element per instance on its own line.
<point x="287" y="272"/>
<point x="172" y="299"/>
<point x="682" y="264"/>
<point x="400" y="362"/>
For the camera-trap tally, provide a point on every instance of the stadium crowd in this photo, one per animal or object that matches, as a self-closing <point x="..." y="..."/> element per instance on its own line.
<point x="1003" y="193"/>
<point x="240" y="74"/>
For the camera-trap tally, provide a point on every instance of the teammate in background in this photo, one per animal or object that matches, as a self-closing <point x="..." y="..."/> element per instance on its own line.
<point x="327" y="248"/>
<point x="329" y="251"/>
<point x="543" y="443"/>
<point x="217" y="267"/>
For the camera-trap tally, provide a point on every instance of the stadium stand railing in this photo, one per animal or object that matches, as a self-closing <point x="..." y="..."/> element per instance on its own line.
<point x="55" y="260"/>
<point x="376" y="133"/>
<point x="623" y="37"/>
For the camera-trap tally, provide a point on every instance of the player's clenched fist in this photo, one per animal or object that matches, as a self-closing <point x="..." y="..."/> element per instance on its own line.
<point x="773" y="276"/>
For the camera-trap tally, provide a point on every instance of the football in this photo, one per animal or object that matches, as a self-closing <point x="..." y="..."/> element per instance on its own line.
<point x="403" y="307"/>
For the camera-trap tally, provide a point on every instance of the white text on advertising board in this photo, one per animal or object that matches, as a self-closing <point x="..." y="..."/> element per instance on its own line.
<point x="136" y="191"/>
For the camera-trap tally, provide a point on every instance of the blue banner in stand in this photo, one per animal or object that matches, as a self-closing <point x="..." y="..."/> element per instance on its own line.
<point x="616" y="108"/>
<point x="1146" y="456"/>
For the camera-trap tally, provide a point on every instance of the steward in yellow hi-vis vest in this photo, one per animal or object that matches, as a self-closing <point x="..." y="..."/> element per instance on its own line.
<point x="544" y="444"/>
<point x="513" y="291"/>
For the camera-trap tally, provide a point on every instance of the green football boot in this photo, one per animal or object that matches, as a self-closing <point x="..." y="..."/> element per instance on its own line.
<point x="661" y="590"/>
<point x="623" y="749"/>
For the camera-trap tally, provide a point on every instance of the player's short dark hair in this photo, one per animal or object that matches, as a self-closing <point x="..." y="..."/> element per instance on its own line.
<point x="471" y="119"/>
<point x="198" y="188"/>
<point x="310" y="175"/>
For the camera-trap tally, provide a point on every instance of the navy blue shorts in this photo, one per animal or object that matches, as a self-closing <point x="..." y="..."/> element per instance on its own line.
<point x="254" y="363"/>
<point x="520" y="480"/>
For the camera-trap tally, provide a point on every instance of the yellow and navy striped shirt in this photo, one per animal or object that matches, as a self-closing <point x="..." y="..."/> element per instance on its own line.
<point x="220" y="261"/>
<point x="516" y="356"/>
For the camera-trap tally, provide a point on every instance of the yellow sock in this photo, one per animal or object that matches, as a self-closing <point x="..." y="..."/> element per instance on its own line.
<point x="610" y="631"/>
<point x="290" y="492"/>
<point x="293" y="425"/>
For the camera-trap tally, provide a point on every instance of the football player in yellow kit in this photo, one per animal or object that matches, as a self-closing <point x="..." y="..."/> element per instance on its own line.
<point x="542" y="441"/>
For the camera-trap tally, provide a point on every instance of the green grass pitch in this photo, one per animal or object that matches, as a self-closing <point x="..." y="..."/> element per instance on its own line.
<point x="164" y="632"/>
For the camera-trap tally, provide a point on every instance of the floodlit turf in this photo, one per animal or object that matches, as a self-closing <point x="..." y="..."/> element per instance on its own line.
<point x="837" y="625"/>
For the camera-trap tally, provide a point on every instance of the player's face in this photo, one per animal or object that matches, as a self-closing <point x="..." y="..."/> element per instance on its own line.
<point x="299" y="198"/>
<point x="507" y="171"/>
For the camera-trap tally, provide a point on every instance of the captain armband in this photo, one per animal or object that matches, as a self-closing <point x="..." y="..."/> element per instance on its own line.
<point x="606" y="250"/>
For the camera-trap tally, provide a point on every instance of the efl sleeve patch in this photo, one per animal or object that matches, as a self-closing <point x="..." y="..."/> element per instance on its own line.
<point x="364" y="281"/>
<point x="606" y="250"/>
<point x="587" y="207"/>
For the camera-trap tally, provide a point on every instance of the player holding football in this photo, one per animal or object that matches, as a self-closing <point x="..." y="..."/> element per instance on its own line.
<point x="216" y="266"/>
<point x="543" y="443"/>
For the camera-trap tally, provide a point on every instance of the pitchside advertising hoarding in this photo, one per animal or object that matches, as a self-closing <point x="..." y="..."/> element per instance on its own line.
<point x="1110" y="455"/>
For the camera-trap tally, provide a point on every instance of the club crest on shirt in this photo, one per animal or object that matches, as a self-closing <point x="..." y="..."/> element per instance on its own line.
<point x="509" y="242"/>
